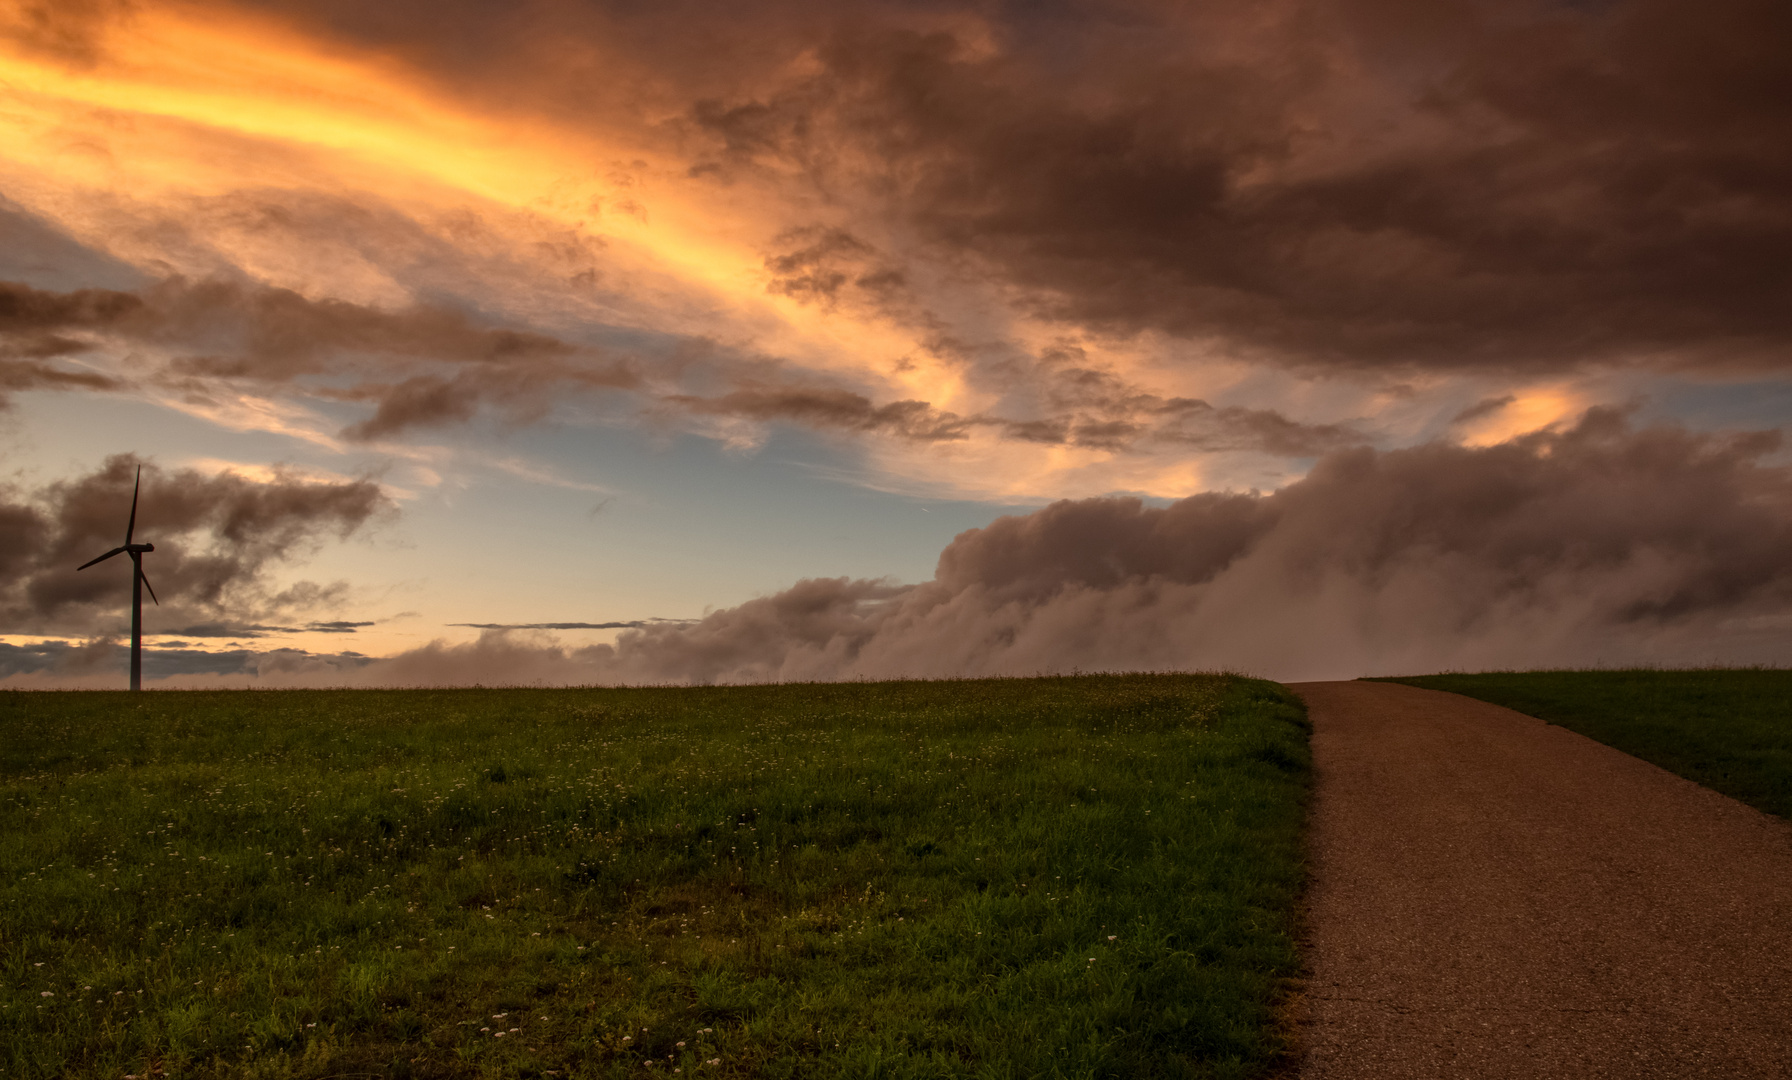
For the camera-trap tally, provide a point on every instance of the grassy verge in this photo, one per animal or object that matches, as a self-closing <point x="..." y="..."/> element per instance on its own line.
<point x="1728" y="730"/>
<point x="1078" y="877"/>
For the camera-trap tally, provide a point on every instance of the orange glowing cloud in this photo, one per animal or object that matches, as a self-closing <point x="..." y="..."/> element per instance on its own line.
<point x="1531" y="409"/>
<point x="185" y="103"/>
<point x="180" y="143"/>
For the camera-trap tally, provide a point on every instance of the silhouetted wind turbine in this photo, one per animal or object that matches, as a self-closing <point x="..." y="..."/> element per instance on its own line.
<point x="138" y="584"/>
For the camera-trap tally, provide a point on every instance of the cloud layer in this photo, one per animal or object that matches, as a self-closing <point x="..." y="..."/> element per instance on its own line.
<point x="1602" y="544"/>
<point x="1529" y="185"/>
<point x="1059" y="248"/>
<point x="430" y="366"/>
<point x="985" y="250"/>
<point x="1340" y="183"/>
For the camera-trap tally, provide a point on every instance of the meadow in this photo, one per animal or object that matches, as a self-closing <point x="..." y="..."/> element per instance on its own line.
<point x="1730" y="730"/>
<point x="1062" y="877"/>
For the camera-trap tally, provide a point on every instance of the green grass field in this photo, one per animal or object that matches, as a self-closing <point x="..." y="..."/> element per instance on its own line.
<point x="1728" y="730"/>
<point x="1069" y="877"/>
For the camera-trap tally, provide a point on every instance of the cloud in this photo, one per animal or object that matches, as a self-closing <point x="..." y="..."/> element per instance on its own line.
<point x="1600" y="544"/>
<point x="100" y="663"/>
<point x="1070" y="401"/>
<point x="263" y="335"/>
<point x="57" y="657"/>
<point x="1332" y="184"/>
<point x="230" y="630"/>
<point x="216" y="539"/>
<point x="225" y="333"/>
<point x="816" y="263"/>
<point x="1482" y="409"/>
<point x="880" y="216"/>
<point x="632" y="624"/>
<point x="32" y="326"/>
<point x="828" y="408"/>
<point x="1603" y="543"/>
<point x="65" y="29"/>
<point x="25" y="310"/>
<point x="913" y="216"/>
<point x="17" y="374"/>
<point x="1016" y="249"/>
<point x="255" y="630"/>
<point x="230" y="335"/>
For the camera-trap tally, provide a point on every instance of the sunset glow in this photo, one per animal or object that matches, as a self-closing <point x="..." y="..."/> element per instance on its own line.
<point x="593" y="325"/>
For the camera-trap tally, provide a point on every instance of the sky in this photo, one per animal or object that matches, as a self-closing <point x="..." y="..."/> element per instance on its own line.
<point x="594" y="341"/>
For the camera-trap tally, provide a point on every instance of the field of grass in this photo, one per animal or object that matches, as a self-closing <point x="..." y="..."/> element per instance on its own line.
<point x="1729" y="730"/>
<point x="1068" y="877"/>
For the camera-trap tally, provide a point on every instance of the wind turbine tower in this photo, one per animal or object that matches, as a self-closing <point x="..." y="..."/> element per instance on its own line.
<point x="138" y="583"/>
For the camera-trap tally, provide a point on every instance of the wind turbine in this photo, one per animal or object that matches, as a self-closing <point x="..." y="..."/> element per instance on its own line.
<point x="138" y="584"/>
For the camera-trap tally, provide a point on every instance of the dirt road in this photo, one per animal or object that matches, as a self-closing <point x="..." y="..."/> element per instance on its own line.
<point x="1495" y="897"/>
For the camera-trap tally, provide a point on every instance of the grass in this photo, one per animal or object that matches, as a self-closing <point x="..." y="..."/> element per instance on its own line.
<point x="1068" y="877"/>
<point x="1728" y="730"/>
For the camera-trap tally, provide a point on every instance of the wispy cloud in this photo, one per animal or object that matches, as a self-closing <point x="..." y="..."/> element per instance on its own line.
<point x="632" y="624"/>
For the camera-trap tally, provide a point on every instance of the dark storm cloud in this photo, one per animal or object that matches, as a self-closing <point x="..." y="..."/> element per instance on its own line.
<point x="1600" y="544"/>
<point x="1491" y="184"/>
<point x="1355" y="183"/>
<point x="215" y="537"/>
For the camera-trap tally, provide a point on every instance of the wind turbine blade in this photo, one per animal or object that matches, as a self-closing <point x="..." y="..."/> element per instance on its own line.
<point x="145" y="577"/>
<point x="102" y="558"/>
<point x="131" y="526"/>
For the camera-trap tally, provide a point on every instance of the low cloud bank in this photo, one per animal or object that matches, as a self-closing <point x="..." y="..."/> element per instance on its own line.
<point x="100" y="664"/>
<point x="1604" y="544"/>
<point x="1599" y="545"/>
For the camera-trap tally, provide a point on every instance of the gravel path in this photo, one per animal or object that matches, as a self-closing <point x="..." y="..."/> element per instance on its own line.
<point x="1495" y="897"/>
